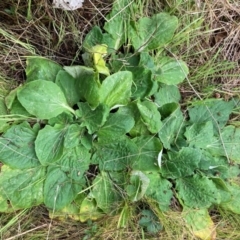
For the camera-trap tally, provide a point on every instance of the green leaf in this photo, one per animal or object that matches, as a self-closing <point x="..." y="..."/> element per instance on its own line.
<point x="167" y="109"/>
<point x="116" y="155"/>
<point x="43" y="99"/>
<point x="148" y="149"/>
<point x="150" y="221"/>
<point x="69" y="87"/>
<point x="143" y="85"/>
<point x="170" y="71"/>
<point x="116" y="126"/>
<point x="49" y="144"/>
<point x="182" y="163"/>
<point x="200" y="223"/>
<point x="139" y="128"/>
<point x="171" y="128"/>
<point x="41" y="68"/>
<point x="214" y="110"/>
<point x="73" y="136"/>
<point x="150" y="115"/>
<point x="138" y="185"/>
<point x="93" y="38"/>
<point x="64" y="118"/>
<point x="17" y="146"/>
<point x="116" y="24"/>
<point x="167" y="94"/>
<point x="87" y="141"/>
<point x="234" y="203"/>
<point x="92" y="119"/>
<point x="214" y="165"/>
<point x="147" y="61"/>
<point x="59" y="189"/>
<point x="124" y="62"/>
<point x="18" y="109"/>
<point x="116" y="89"/>
<point x="152" y="33"/>
<point x="89" y="85"/>
<point x="159" y="190"/>
<point x="9" y="99"/>
<point x="3" y="111"/>
<point x="223" y="189"/>
<point x="21" y="189"/>
<point x="106" y="196"/>
<point x="74" y="162"/>
<point x="228" y="144"/>
<point x="197" y="191"/>
<point x="200" y="135"/>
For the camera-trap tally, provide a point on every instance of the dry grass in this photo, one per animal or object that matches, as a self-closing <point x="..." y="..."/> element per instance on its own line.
<point x="207" y="39"/>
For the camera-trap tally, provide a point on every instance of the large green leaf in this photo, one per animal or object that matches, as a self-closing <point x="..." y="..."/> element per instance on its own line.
<point x="228" y="144"/>
<point x="12" y="95"/>
<point x="21" y="189"/>
<point x="150" y="115"/>
<point x="213" y="164"/>
<point x="152" y="33"/>
<point x="89" y="85"/>
<point x="148" y="149"/>
<point x="215" y="110"/>
<point x="73" y="136"/>
<point x="143" y="85"/>
<point x="59" y="189"/>
<point x="13" y="104"/>
<point x="64" y="118"/>
<point x="18" y="109"/>
<point x="197" y="191"/>
<point x="234" y="203"/>
<point x="138" y="185"/>
<point x="17" y="146"/>
<point x="116" y="89"/>
<point x="167" y="94"/>
<point x="200" y="135"/>
<point x="116" y="126"/>
<point x="171" y="128"/>
<point x="74" y="162"/>
<point x="115" y="156"/>
<point x="106" y="196"/>
<point x="181" y="164"/>
<point x="139" y="128"/>
<point x="116" y="25"/>
<point x="41" y="68"/>
<point x="159" y="190"/>
<point x="167" y="109"/>
<point x="93" y="38"/>
<point x="170" y="71"/>
<point x="49" y="143"/>
<point x="69" y="86"/>
<point x="43" y="99"/>
<point x="92" y="119"/>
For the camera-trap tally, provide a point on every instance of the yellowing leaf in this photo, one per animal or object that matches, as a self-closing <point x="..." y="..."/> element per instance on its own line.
<point x="200" y="222"/>
<point x="89" y="210"/>
<point x="98" y="53"/>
